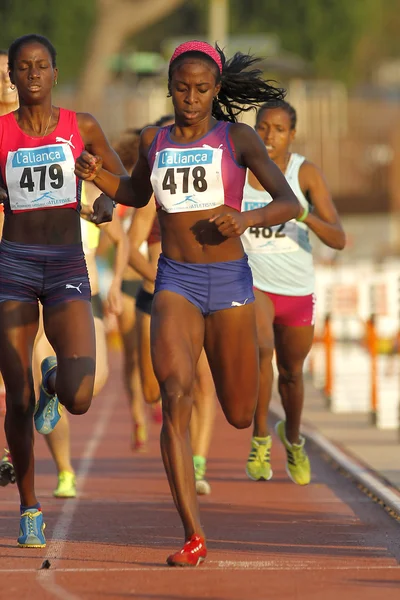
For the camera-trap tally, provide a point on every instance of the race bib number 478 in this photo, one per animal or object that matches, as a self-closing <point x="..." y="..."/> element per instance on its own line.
<point x="41" y="177"/>
<point x="188" y="179"/>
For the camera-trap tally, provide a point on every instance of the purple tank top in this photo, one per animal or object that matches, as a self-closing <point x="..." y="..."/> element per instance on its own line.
<point x="197" y="176"/>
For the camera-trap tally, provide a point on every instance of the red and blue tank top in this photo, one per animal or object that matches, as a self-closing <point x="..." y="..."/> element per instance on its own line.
<point x="38" y="172"/>
<point x="197" y="176"/>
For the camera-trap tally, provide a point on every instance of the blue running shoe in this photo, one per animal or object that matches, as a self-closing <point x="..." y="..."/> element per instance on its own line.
<point x="31" y="529"/>
<point x="48" y="409"/>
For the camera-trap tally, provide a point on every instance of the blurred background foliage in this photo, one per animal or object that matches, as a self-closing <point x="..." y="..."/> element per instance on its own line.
<point x="67" y="24"/>
<point x="341" y="39"/>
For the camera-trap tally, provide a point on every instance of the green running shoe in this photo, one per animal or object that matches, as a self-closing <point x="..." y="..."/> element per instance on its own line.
<point x="258" y="467"/>
<point x="298" y="464"/>
<point x="66" y="485"/>
<point x="203" y="488"/>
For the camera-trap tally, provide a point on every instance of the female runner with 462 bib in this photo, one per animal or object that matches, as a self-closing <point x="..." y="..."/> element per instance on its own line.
<point x="204" y="288"/>
<point x="281" y="261"/>
<point x="41" y="259"/>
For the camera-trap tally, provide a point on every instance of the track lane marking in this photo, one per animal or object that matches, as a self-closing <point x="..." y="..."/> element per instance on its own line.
<point x="46" y="577"/>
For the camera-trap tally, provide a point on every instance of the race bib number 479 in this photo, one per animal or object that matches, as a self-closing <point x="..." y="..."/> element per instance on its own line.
<point x="41" y="177"/>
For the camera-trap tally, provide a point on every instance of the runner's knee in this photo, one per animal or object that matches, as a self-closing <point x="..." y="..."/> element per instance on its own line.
<point x="240" y="417"/>
<point x="21" y="401"/>
<point x="75" y="383"/>
<point x="266" y="351"/>
<point x="151" y="393"/>
<point x="77" y="402"/>
<point x="176" y="400"/>
<point x="290" y="375"/>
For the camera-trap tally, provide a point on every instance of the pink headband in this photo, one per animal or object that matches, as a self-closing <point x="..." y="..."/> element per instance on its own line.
<point x="196" y="46"/>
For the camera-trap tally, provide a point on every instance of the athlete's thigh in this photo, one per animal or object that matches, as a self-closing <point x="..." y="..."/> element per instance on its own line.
<point x="265" y="314"/>
<point x="292" y="345"/>
<point x="151" y="389"/>
<point x="177" y="334"/>
<point x="18" y="328"/>
<point x="41" y="349"/>
<point x="143" y="337"/>
<point x="69" y="327"/>
<point x="204" y="380"/>
<point x="232" y="351"/>
<point x="126" y="322"/>
<point x="101" y="355"/>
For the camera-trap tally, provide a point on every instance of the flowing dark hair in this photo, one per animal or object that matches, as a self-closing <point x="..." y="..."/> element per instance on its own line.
<point x="283" y="105"/>
<point x="243" y="86"/>
<point x="28" y="39"/>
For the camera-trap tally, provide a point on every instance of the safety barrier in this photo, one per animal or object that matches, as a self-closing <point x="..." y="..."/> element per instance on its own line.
<point x="355" y="359"/>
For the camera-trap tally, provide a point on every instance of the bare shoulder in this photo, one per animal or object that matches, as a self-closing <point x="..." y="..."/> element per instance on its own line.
<point x="88" y="126"/>
<point x="147" y="136"/>
<point x="246" y="142"/>
<point x="312" y="182"/>
<point x="242" y="131"/>
<point x="86" y="120"/>
<point x="309" y="172"/>
<point x="309" y="167"/>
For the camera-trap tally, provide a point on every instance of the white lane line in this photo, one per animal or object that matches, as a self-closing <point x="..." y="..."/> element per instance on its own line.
<point x="357" y="471"/>
<point x="46" y="577"/>
<point x="217" y="566"/>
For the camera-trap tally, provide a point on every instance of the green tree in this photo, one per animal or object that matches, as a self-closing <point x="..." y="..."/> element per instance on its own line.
<point x="341" y="39"/>
<point x="115" y="21"/>
<point x="190" y="20"/>
<point x="324" y="32"/>
<point x="66" y="24"/>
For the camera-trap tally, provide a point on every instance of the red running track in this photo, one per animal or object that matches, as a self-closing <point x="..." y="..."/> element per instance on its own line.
<point x="266" y="539"/>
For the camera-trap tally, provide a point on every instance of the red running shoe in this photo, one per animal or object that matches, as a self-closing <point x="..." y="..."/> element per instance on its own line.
<point x="193" y="553"/>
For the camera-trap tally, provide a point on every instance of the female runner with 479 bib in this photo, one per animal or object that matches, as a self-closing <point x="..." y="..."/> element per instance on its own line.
<point x="42" y="260"/>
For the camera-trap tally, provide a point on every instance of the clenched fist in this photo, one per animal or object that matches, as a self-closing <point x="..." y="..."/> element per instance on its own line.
<point x="231" y="224"/>
<point x="87" y="166"/>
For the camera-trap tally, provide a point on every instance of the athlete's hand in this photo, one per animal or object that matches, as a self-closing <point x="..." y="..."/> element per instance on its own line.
<point x="103" y="208"/>
<point x="86" y="212"/>
<point x="230" y="224"/>
<point x="114" y="299"/>
<point x="87" y="166"/>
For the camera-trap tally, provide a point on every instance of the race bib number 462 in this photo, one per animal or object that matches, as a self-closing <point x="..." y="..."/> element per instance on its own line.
<point x="279" y="239"/>
<point x="41" y="177"/>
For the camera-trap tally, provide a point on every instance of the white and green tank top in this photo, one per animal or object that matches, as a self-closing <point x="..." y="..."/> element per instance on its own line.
<point x="280" y="257"/>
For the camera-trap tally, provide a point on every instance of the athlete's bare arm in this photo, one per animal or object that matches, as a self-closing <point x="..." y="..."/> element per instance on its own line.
<point x="117" y="235"/>
<point x="251" y="153"/>
<point x="139" y="231"/>
<point x="324" y="221"/>
<point x="131" y="191"/>
<point x="97" y="144"/>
